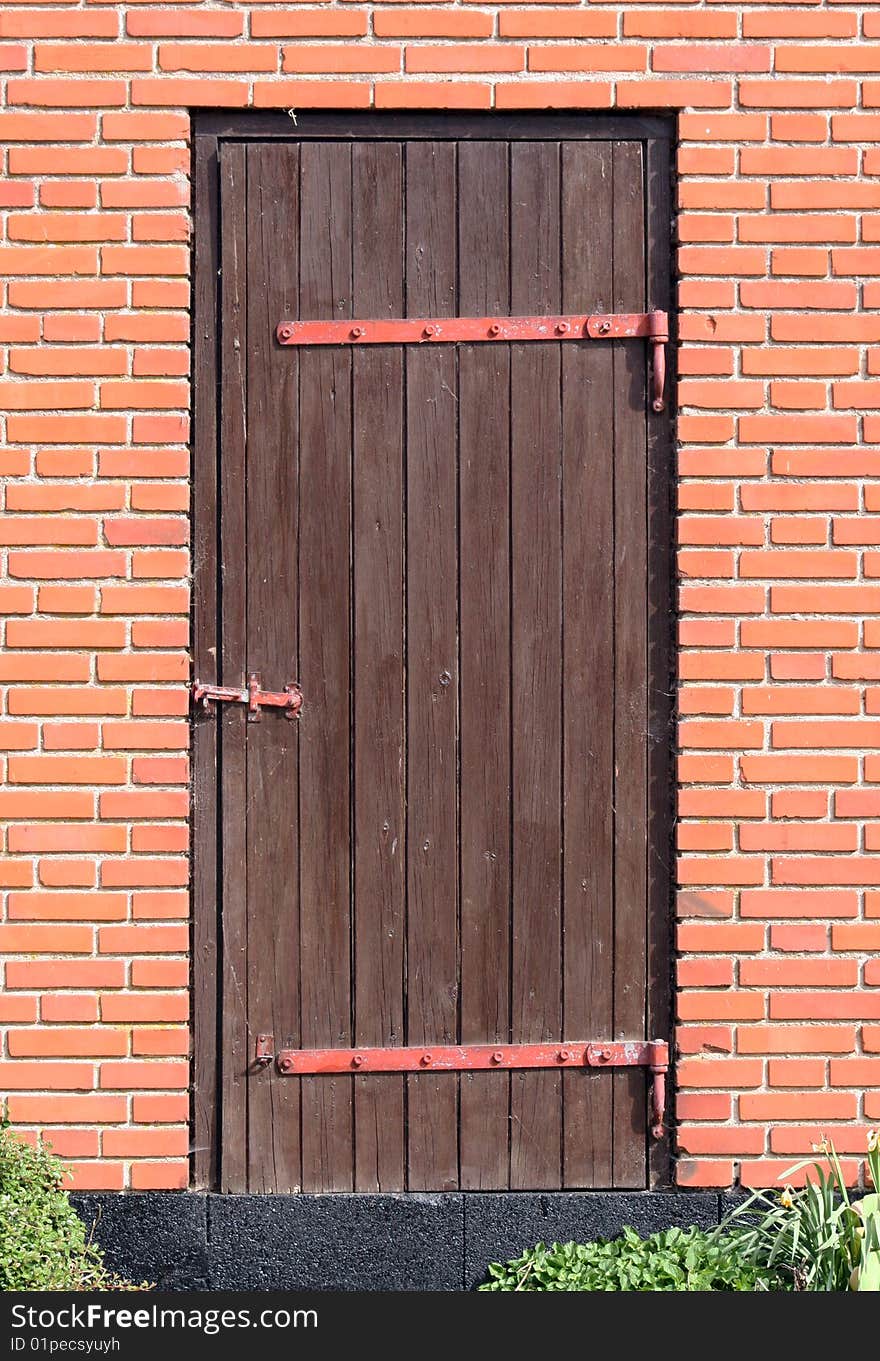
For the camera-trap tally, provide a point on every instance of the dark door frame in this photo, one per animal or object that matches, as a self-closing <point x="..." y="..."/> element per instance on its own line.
<point x="209" y="130"/>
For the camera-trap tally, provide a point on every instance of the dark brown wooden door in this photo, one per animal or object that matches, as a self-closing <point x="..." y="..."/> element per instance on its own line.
<point x="460" y="555"/>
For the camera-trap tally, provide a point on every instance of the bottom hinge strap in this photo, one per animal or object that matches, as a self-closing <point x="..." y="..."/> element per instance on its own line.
<point x="650" y="1054"/>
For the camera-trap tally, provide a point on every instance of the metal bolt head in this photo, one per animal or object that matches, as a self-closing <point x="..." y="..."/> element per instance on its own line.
<point x="285" y="1065"/>
<point x="429" y="331"/>
<point x="564" y="1056"/>
<point x="562" y="327"/>
<point x="357" y="332"/>
<point x="357" y="1060"/>
<point x="286" y="332"/>
<point x="495" y="329"/>
<point x="498" y="1056"/>
<point x="604" y="327"/>
<point x="425" y="1060"/>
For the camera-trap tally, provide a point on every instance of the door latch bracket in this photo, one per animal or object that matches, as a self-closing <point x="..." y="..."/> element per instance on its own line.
<point x="289" y="699"/>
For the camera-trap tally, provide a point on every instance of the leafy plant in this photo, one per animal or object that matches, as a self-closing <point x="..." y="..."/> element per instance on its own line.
<point x="43" y="1243"/>
<point x="675" y="1259"/>
<point x="817" y="1235"/>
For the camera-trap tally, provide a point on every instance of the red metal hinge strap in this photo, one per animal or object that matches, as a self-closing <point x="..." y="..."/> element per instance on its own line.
<point x="652" y="326"/>
<point x="650" y="1054"/>
<point x="289" y="699"/>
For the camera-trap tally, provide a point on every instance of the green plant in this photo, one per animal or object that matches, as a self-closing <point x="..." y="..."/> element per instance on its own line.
<point x="820" y="1237"/>
<point x="675" y="1259"/>
<point x="43" y="1242"/>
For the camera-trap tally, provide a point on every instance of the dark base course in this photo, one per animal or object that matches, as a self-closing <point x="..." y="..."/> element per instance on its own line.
<point x="185" y="1241"/>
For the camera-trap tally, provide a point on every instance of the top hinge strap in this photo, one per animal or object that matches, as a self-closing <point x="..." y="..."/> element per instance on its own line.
<point x="651" y="326"/>
<point x="437" y="330"/>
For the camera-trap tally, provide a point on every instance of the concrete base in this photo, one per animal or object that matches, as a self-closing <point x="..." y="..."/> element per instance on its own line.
<point x="184" y="1241"/>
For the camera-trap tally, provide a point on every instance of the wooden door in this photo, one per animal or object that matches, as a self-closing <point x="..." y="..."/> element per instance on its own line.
<point x="460" y="554"/>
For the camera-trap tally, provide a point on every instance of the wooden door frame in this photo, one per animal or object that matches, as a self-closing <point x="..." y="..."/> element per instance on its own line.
<point x="209" y="131"/>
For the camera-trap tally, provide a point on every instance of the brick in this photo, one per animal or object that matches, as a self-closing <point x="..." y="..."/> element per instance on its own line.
<point x="19" y="1075"/>
<point x="63" y="973"/>
<point x="706" y="1139"/>
<point x="160" y="1109"/>
<point x="796" y="973"/>
<point x="795" y="633"/>
<point x="793" y="1039"/>
<point x="703" y="1106"/>
<point x="55" y="1042"/>
<point x="720" y="1004"/>
<point x="31" y="838"/>
<point x="45" y="939"/>
<point x="799" y="803"/>
<point x="708" y="1172"/>
<point x="161" y="1176"/>
<point x="185" y="24"/>
<point x="548" y="23"/>
<point x="159" y="1007"/>
<point x="723" y="1073"/>
<point x="799" y="699"/>
<point x="803" y="94"/>
<point x="327" y="94"/>
<point x="66" y="94"/>
<point x="718" y="938"/>
<point x="145" y="1143"/>
<point x="314" y="24"/>
<point x="66" y="906"/>
<point x="67" y="770"/>
<point x="166" y="1041"/>
<point x="131" y="1075"/>
<point x="96" y="1176"/>
<point x="93" y="1109"/>
<point x="699" y="94"/>
<point x="796" y="1073"/>
<point x="797" y="666"/>
<point x="91" y="57"/>
<point x="159" y="973"/>
<point x="788" y="904"/>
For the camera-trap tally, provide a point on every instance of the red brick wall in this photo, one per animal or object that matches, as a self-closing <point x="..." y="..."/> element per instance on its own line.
<point x="779" y="427"/>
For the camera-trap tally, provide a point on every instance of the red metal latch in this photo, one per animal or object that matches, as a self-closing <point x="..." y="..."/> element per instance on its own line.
<point x="650" y="1054"/>
<point x="289" y="699"/>
<point x="264" y="1050"/>
<point x="652" y="326"/>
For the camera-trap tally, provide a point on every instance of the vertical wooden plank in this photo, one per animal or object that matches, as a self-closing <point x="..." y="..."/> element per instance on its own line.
<point x="379" y="720"/>
<point x="272" y="496"/>
<point x="661" y="669"/>
<point x="630" y="666"/>
<point x="325" y="611"/>
<point x="588" y="651"/>
<point x="432" y="667"/>
<point x="484" y="660"/>
<point x="205" y="889"/>
<point x="233" y="661"/>
<point x="536" y="679"/>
